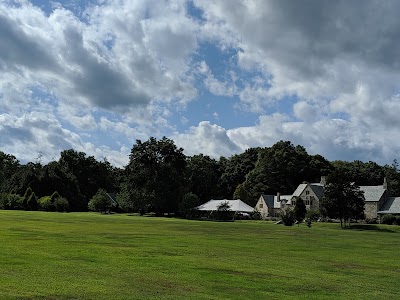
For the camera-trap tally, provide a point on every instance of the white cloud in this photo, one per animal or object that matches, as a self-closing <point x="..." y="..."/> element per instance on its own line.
<point x="127" y="68"/>
<point x="206" y="138"/>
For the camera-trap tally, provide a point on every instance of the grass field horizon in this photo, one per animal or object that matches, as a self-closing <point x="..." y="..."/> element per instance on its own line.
<point x="93" y="256"/>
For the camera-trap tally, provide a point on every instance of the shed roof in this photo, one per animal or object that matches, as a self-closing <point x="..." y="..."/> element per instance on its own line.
<point x="391" y="206"/>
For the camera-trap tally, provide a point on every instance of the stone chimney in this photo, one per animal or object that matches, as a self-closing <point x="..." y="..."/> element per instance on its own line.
<point x="323" y="180"/>
<point x="386" y="187"/>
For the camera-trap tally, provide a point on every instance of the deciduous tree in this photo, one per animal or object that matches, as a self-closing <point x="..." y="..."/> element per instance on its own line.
<point x="343" y="199"/>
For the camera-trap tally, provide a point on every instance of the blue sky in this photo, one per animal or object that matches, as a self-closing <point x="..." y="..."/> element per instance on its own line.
<point x="217" y="77"/>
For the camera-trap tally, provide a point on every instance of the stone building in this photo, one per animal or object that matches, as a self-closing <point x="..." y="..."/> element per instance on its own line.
<point x="378" y="200"/>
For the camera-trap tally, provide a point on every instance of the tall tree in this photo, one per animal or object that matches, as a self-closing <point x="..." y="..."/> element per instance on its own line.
<point x="91" y="175"/>
<point x="280" y="168"/>
<point x="202" y="176"/>
<point x="8" y="166"/>
<point x="362" y="173"/>
<point x="155" y="175"/>
<point x="343" y="199"/>
<point x="235" y="169"/>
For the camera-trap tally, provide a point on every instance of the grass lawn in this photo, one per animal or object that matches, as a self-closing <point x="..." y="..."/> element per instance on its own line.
<point x="92" y="256"/>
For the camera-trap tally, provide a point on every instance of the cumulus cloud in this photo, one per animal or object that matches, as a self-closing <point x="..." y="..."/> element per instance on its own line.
<point x="115" y="59"/>
<point x="334" y="138"/>
<point x="315" y="50"/>
<point x="323" y="74"/>
<point x="206" y="138"/>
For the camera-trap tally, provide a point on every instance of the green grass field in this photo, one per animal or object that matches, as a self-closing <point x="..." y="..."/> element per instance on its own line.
<point x="92" y="256"/>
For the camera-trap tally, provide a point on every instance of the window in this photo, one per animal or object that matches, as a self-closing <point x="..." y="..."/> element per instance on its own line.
<point x="307" y="202"/>
<point x="260" y="205"/>
<point x="307" y="192"/>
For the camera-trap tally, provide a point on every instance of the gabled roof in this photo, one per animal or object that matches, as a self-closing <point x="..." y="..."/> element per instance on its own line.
<point x="272" y="200"/>
<point x="317" y="188"/>
<point x="299" y="189"/>
<point x="391" y="206"/>
<point x="269" y="200"/>
<point x="372" y="193"/>
<point x="235" y="205"/>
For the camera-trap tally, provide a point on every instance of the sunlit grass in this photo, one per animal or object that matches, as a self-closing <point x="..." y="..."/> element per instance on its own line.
<point x="92" y="256"/>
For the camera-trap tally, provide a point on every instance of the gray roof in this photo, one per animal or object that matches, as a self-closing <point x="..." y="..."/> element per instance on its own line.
<point x="372" y="193"/>
<point x="299" y="190"/>
<point x="391" y="206"/>
<point x="272" y="200"/>
<point x="317" y="188"/>
<point x="269" y="200"/>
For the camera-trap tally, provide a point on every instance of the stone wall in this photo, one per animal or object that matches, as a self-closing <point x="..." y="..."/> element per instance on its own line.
<point x="371" y="210"/>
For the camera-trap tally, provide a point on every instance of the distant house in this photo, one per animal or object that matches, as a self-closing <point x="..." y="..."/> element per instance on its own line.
<point x="271" y="205"/>
<point x="310" y="193"/>
<point x="391" y="206"/>
<point x="375" y="197"/>
<point x="377" y="200"/>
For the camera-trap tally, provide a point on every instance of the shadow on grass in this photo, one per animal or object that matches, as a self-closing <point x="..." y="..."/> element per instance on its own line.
<point x="370" y="227"/>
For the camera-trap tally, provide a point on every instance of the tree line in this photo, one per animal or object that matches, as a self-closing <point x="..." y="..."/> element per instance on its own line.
<point x="160" y="178"/>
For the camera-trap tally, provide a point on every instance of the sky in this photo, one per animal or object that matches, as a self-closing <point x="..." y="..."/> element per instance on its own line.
<point x="217" y="77"/>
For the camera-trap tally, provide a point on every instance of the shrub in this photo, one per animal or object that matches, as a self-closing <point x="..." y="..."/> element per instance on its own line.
<point x="388" y="219"/>
<point x="288" y="217"/>
<point x="61" y="204"/>
<point x="313" y="214"/>
<point x="45" y="203"/>
<point x="14" y="201"/>
<point x="224" y="212"/>
<point x="371" y="221"/>
<point x="3" y="200"/>
<point x="397" y="221"/>
<point x="100" y="202"/>
<point x="188" y="204"/>
<point x="32" y="202"/>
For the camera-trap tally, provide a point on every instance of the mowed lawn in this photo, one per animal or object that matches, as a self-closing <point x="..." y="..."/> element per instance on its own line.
<point x="93" y="256"/>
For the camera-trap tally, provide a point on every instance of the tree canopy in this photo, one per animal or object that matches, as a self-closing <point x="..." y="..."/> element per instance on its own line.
<point x="343" y="199"/>
<point x="159" y="174"/>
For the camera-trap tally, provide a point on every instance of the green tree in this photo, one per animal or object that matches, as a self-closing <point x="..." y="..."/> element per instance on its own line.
<point x="155" y="175"/>
<point x="202" y="177"/>
<point x="361" y="173"/>
<point x="188" y="204"/>
<point x="235" y="169"/>
<point x="224" y="212"/>
<point x="8" y="166"/>
<point x="30" y="199"/>
<point x="287" y="216"/>
<point x="241" y="193"/>
<point x="100" y="202"/>
<point x="299" y="210"/>
<point x="393" y="178"/>
<point x="343" y="199"/>
<point x="280" y="168"/>
<point x="90" y="175"/>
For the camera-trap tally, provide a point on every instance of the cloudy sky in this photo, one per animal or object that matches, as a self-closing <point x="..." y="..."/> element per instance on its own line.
<point x="217" y="77"/>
